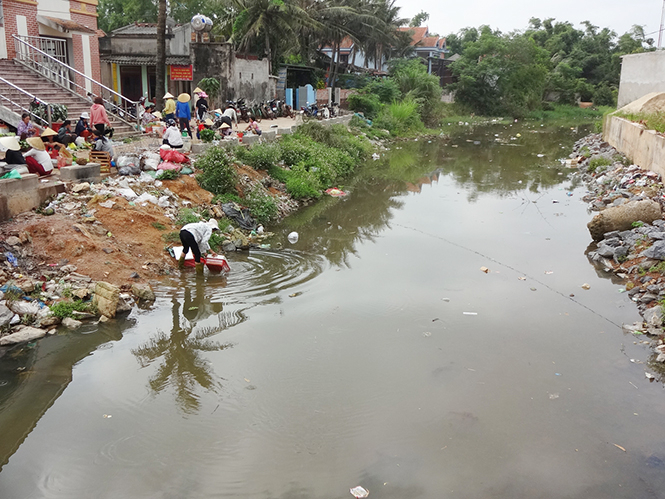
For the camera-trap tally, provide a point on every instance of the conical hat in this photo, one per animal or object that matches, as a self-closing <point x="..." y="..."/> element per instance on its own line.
<point x="168" y="95"/>
<point x="183" y="97"/>
<point x="10" y="143"/>
<point x="209" y="122"/>
<point x="197" y="90"/>
<point x="49" y="132"/>
<point x="36" y="143"/>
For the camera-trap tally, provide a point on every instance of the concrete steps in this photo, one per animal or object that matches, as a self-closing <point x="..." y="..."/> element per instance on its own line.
<point x="44" y="89"/>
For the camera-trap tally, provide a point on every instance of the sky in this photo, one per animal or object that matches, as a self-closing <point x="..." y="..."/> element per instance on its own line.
<point x="508" y="15"/>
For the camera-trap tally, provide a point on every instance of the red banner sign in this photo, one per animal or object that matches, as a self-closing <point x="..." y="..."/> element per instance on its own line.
<point x="182" y="73"/>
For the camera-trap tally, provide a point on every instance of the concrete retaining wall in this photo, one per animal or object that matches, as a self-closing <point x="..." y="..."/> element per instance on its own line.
<point x="19" y="195"/>
<point x="643" y="147"/>
<point x="641" y="74"/>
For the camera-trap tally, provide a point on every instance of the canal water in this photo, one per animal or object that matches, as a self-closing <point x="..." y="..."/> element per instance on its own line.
<point x="427" y="336"/>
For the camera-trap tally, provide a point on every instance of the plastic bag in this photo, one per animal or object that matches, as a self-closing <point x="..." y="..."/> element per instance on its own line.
<point x="129" y="170"/>
<point x="173" y="156"/>
<point x="166" y="165"/>
<point x="12" y="174"/>
<point x="150" y="161"/>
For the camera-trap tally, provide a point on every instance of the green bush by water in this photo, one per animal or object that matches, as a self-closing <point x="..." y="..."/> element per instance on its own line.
<point x="64" y="309"/>
<point x="219" y="176"/>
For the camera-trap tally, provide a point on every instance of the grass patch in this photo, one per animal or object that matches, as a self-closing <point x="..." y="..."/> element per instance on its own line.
<point x="66" y="308"/>
<point x="172" y="237"/>
<point x="598" y="162"/>
<point x="566" y="113"/>
<point x="188" y="216"/>
<point x="158" y="226"/>
<point x="652" y="121"/>
<point x="168" y="175"/>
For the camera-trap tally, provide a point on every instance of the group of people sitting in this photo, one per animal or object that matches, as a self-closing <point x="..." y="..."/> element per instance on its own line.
<point x="45" y="145"/>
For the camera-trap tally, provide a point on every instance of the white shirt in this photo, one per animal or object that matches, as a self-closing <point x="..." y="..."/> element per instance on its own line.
<point x="42" y="158"/>
<point x="231" y="113"/>
<point x="201" y="232"/>
<point x="173" y="136"/>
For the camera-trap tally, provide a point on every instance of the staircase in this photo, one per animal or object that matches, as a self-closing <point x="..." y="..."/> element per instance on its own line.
<point x="47" y="91"/>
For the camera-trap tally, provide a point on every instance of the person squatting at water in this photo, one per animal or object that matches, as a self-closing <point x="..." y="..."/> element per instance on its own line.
<point x="195" y="236"/>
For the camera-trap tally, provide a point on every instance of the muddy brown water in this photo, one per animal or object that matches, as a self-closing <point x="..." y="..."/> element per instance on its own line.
<point x="372" y="352"/>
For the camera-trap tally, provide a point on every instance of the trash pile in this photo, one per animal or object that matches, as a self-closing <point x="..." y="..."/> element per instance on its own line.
<point x="610" y="178"/>
<point x="32" y="308"/>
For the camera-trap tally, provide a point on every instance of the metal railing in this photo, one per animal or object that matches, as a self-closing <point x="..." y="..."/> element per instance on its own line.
<point x="62" y="74"/>
<point x="22" y="101"/>
<point x="55" y="47"/>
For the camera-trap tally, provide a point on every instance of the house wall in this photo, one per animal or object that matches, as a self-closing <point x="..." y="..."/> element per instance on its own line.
<point x="250" y="80"/>
<point x="641" y="74"/>
<point x="134" y="46"/>
<point x="17" y="13"/>
<point x="239" y="78"/>
<point x="20" y="17"/>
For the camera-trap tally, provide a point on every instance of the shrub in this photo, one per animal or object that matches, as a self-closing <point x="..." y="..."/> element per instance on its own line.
<point x="260" y="157"/>
<point x="602" y="96"/>
<point x="368" y="104"/>
<point x="207" y="135"/>
<point x="262" y="205"/>
<point x="385" y="89"/>
<point x="219" y="176"/>
<point x="301" y="186"/>
<point x="400" y="117"/>
<point x="187" y="216"/>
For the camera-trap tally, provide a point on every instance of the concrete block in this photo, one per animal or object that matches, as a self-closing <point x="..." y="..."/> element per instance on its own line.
<point x="250" y="139"/>
<point x="18" y="195"/>
<point x="285" y="131"/>
<point x="81" y="173"/>
<point x="269" y="135"/>
<point x="200" y="147"/>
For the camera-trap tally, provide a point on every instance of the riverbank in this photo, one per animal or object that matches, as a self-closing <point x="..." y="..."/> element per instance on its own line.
<point x="631" y="201"/>
<point x="118" y="232"/>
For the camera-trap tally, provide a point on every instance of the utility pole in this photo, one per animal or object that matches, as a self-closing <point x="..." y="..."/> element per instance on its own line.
<point x="660" y="32"/>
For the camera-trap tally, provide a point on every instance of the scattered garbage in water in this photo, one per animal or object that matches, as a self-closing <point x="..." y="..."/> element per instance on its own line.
<point x="293" y="237"/>
<point x="359" y="492"/>
<point x="469" y="313"/>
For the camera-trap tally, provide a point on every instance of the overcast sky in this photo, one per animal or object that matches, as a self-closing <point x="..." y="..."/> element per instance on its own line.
<point x="507" y="15"/>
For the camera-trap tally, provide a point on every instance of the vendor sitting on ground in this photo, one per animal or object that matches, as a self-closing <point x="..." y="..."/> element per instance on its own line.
<point x="50" y="145"/>
<point x="225" y="129"/>
<point x="37" y="159"/>
<point x="102" y="143"/>
<point x="196" y="236"/>
<point x="13" y="155"/>
<point x="65" y="134"/>
<point x="82" y="127"/>
<point x="172" y="136"/>
<point x="253" y="127"/>
<point x="26" y="128"/>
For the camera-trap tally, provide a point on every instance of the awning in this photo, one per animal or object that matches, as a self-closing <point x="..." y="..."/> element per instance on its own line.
<point x="145" y="60"/>
<point x="65" y="25"/>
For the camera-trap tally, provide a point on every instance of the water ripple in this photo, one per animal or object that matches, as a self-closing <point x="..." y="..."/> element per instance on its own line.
<point x="264" y="273"/>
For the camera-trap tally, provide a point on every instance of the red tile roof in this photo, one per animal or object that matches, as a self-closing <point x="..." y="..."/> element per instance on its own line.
<point x="417" y="33"/>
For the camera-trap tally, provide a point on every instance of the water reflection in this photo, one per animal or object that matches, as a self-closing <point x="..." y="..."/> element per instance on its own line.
<point x="484" y="161"/>
<point x="183" y="366"/>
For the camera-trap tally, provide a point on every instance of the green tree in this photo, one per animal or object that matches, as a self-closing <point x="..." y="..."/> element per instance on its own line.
<point x="419" y="19"/>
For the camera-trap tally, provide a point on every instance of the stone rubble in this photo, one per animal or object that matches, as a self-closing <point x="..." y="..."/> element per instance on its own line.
<point x="636" y="253"/>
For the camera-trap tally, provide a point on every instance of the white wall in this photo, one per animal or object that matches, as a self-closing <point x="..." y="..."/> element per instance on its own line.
<point x="3" y="43"/>
<point x="641" y="74"/>
<point x="54" y="8"/>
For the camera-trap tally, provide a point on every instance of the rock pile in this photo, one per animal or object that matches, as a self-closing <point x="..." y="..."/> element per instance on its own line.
<point x="629" y="232"/>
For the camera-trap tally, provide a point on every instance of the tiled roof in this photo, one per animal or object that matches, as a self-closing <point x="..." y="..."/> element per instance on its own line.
<point x="430" y="41"/>
<point x="136" y="29"/>
<point x="417" y="33"/>
<point x="145" y="60"/>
